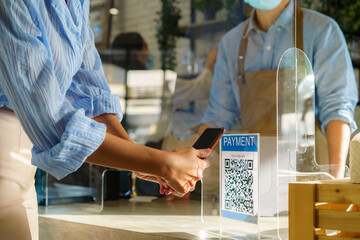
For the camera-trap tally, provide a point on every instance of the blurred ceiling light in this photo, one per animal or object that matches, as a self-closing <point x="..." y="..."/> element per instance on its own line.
<point x="113" y="11"/>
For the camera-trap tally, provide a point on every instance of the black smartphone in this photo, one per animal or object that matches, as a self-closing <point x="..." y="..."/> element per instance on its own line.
<point x="208" y="138"/>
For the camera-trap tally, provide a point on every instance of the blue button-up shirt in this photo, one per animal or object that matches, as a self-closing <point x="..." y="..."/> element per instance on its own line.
<point x="325" y="46"/>
<point x="51" y="76"/>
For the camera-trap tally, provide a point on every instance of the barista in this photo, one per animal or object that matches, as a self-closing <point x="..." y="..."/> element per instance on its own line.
<point x="243" y="91"/>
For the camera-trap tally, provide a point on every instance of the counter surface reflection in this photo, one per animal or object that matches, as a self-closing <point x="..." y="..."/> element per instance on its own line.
<point x="158" y="219"/>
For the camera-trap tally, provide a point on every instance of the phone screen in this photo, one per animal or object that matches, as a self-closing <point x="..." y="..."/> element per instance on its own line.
<point x="208" y="138"/>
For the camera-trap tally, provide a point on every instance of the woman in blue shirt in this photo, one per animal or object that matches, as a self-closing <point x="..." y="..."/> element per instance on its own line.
<point x="52" y="79"/>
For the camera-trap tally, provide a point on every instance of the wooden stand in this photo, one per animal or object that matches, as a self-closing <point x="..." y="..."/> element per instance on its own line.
<point x="317" y="207"/>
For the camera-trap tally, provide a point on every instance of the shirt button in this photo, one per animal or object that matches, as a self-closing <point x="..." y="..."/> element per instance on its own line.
<point x="241" y="57"/>
<point x="268" y="47"/>
<point x="278" y="29"/>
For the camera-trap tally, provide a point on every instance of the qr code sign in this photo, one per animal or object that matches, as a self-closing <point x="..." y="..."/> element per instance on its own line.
<point x="239" y="176"/>
<point x="239" y="182"/>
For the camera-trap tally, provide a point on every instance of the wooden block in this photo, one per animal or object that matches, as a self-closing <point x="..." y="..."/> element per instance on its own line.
<point x="334" y="238"/>
<point x="338" y="220"/>
<point x="301" y="211"/>
<point x="338" y="192"/>
<point x="337" y="208"/>
<point x="355" y="159"/>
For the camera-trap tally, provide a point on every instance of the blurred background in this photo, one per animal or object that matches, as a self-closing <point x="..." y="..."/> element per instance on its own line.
<point x="168" y="39"/>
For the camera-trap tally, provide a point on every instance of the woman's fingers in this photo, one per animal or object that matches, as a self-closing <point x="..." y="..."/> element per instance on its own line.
<point x="162" y="189"/>
<point x="164" y="186"/>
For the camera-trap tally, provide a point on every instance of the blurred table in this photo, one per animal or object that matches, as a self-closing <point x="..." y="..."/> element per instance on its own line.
<point x="159" y="219"/>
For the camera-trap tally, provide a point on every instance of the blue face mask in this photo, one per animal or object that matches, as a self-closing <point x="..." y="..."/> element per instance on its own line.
<point x="263" y="4"/>
<point x="150" y="63"/>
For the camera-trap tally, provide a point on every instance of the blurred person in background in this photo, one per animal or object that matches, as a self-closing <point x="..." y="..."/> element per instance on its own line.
<point x="132" y="52"/>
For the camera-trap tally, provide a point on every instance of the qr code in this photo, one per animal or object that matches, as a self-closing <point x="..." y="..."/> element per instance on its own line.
<point x="239" y="191"/>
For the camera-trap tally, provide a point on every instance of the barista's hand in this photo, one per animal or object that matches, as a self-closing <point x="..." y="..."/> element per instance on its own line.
<point x="186" y="167"/>
<point x="212" y="55"/>
<point x="338" y="135"/>
<point x="337" y="171"/>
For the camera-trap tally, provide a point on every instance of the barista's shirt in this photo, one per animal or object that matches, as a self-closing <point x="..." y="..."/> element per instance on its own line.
<point x="325" y="46"/>
<point x="51" y="76"/>
<point x="191" y="98"/>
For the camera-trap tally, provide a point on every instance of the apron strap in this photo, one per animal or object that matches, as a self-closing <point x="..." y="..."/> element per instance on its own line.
<point x="298" y="40"/>
<point x="298" y="26"/>
<point x="242" y="52"/>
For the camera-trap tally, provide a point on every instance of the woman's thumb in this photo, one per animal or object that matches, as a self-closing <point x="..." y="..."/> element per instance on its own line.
<point x="203" y="153"/>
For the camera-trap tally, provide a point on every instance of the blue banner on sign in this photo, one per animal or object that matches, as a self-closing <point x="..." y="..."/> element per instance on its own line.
<point x="239" y="216"/>
<point x="245" y="143"/>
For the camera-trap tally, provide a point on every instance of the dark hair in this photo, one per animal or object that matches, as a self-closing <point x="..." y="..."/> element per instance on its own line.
<point x="130" y="45"/>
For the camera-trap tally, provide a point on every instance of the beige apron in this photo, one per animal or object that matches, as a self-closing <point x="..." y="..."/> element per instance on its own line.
<point x="257" y="90"/>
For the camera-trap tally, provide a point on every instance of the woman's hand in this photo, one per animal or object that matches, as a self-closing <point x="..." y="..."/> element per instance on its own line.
<point x="164" y="187"/>
<point x="176" y="172"/>
<point x="185" y="168"/>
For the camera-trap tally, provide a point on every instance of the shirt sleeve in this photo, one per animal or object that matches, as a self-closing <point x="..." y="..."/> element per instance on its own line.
<point x="223" y="109"/>
<point x="336" y="91"/>
<point x="63" y="137"/>
<point x="187" y="91"/>
<point x="89" y="89"/>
